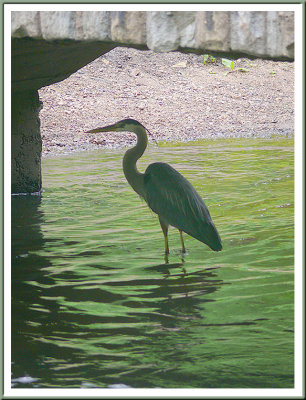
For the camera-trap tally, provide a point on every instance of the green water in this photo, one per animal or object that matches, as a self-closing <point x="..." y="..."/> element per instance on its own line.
<point x="94" y="303"/>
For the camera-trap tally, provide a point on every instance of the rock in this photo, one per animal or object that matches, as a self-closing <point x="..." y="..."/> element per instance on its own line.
<point x="213" y="30"/>
<point x="182" y="64"/>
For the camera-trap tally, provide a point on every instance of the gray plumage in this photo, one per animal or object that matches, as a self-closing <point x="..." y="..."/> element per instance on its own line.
<point x="166" y="191"/>
<point x="178" y="204"/>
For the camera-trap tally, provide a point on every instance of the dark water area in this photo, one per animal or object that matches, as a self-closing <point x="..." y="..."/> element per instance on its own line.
<point x="95" y="304"/>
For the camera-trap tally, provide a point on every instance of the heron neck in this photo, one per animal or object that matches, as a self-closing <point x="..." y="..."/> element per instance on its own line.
<point x="133" y="176"/>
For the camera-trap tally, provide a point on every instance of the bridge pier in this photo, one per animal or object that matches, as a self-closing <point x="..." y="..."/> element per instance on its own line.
<point x="26" y="142"/>
<point x="38" y="63"/>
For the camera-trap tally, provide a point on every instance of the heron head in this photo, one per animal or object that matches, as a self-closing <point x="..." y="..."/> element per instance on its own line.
<point x="125" y="125"/>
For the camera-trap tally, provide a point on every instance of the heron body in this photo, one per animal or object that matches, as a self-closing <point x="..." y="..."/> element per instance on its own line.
<point x="166" y="191"/>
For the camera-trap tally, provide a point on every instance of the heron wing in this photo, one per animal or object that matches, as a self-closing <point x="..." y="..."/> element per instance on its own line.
<point x="177" y="203"/>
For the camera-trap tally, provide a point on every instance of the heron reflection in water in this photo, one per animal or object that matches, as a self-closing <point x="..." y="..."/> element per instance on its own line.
<point x="166" y="191"/>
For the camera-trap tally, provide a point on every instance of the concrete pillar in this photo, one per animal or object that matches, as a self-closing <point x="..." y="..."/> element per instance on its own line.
<point x="26" y="142"/>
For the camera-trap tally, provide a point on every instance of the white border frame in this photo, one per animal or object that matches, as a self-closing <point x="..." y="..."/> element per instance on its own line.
<point x="299" y="301"/>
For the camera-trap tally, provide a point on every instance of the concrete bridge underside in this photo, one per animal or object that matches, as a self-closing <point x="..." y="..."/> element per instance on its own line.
<point x="47" y="47"/>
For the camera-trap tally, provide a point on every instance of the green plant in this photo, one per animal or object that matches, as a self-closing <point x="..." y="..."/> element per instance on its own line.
<point x="208" y="59"/>
<point x="228" y="63"/>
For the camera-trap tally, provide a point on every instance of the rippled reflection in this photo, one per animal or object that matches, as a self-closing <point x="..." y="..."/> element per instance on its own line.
<point x="95" y="303"/>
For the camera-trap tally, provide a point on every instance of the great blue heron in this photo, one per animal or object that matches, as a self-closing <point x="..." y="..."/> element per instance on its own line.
<point x="166" y="191"/>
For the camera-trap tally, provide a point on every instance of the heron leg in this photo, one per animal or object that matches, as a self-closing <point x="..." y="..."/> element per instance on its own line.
<point x="182" y="241"/>
<point x="165" y="232"/>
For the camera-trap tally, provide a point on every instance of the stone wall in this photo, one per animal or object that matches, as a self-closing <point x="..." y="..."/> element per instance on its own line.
<point x="257" y="33"/>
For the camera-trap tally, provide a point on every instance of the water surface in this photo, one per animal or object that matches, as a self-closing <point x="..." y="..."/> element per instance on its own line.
<point x="95" y="304"/>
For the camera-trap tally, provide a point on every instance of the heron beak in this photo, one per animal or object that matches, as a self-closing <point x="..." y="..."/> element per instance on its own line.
<point x="103" y="129"/>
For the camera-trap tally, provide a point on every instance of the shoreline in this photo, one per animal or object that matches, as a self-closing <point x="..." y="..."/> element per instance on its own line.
<point x="175" y="95"/>
<point x="124" y="145"/>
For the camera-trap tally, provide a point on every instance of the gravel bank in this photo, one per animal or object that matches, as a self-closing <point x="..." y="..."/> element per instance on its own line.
<point x="174" y="95"/>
